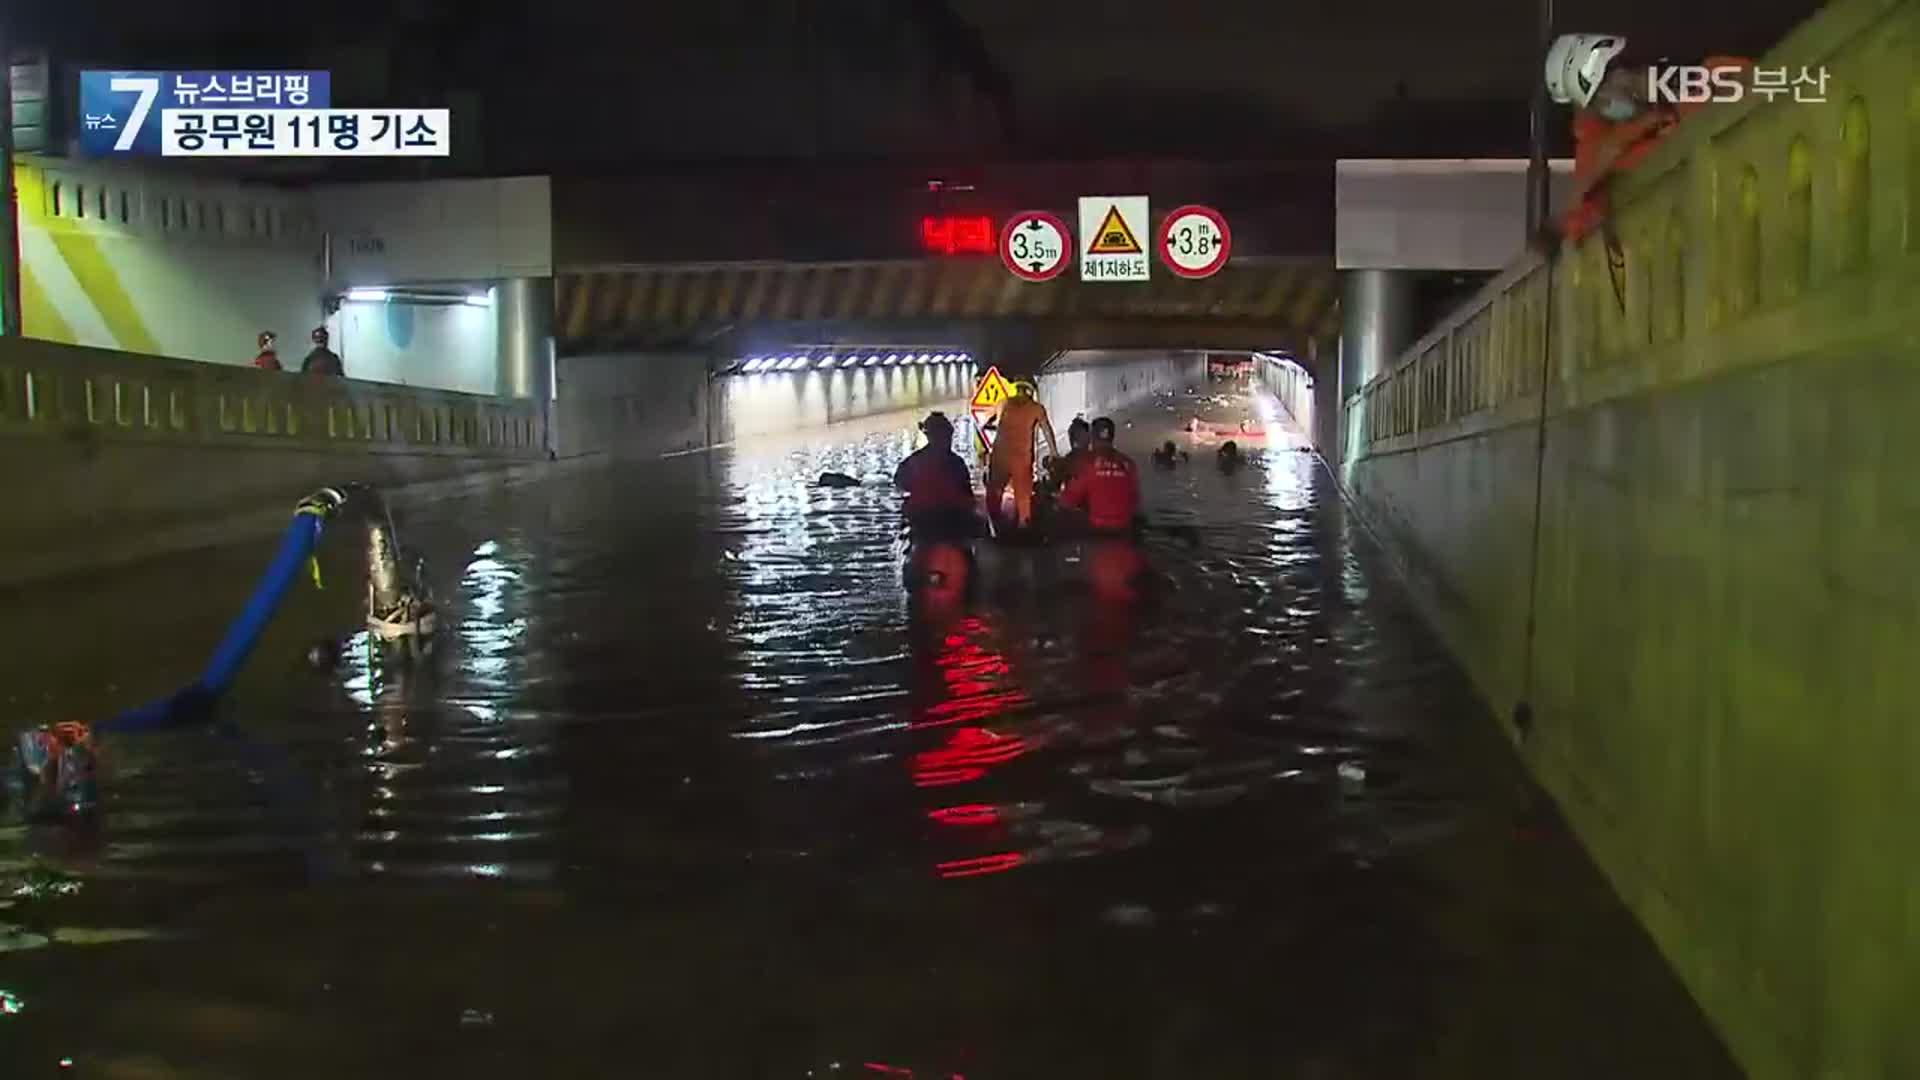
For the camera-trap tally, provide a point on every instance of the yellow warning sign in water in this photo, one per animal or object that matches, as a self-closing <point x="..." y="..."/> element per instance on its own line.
<point x="1113" y="237"/>
<point x="993" y="389"/>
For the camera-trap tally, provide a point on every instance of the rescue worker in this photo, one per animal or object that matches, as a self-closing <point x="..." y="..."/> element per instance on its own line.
<point x="267" y="359"/>
<point x="1228" y="457"/>
<point x="1060" y="470"/>
<point x="1107" y="486"/>
<point x="1012" y="459"/>
<point x="1169" y="455"/>
<point x="322" y="360"/>
<point x="938" y="487"/>
<point x="940" y="517"/>
<point x="1615" y="125"/>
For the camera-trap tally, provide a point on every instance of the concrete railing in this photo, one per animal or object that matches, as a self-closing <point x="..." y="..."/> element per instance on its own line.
<point x="110" y="456"/>
<point x="51" y="390"/>
<point x="1694" y="568"/>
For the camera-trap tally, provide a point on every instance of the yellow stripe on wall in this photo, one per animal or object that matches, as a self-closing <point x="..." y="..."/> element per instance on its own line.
<point x="38" y="317"/>
<point x="102" y="286"/>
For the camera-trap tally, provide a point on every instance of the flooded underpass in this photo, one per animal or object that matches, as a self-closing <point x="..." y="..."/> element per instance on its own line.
<point x="686" y="792"/>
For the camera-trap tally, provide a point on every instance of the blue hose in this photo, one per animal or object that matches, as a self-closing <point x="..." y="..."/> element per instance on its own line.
<point x="193" y="701"/>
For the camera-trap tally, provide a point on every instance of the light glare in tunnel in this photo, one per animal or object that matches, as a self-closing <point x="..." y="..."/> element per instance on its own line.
<point x="825" y="362"/>
<point x="893" y="358"/>
<point x="872" y="360"/>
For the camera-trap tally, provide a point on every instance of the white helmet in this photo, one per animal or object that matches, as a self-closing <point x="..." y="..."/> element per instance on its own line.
<point x="1577" y="62"/>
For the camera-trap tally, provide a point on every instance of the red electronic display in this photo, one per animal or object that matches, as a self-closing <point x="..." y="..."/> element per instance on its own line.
<point x="968" y="235"/>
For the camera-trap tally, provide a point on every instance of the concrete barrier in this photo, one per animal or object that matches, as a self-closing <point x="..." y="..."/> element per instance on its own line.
<point x="1707" y="456"/>
<point x="111" y="456"/>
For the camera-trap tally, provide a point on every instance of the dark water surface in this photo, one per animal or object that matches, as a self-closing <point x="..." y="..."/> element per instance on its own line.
<point x="685" y="793"/>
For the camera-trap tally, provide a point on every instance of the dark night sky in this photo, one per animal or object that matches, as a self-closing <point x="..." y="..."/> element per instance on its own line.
<point x="595" y="82"/>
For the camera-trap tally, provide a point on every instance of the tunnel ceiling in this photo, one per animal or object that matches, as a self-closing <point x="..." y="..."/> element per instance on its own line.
<point x="1253" y="302"/>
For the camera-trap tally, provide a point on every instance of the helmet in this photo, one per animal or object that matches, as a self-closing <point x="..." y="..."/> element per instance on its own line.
<point x="937" y="425"/>
<point x="1025" y="388"/>
<point x="319" y="335"/>
<point x="266" y="339"/>
<point x="1577" y="62"/>
<point x="1103" y="430"/>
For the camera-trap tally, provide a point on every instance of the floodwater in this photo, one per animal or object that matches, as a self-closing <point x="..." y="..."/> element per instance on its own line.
<point x="685" y="792"/>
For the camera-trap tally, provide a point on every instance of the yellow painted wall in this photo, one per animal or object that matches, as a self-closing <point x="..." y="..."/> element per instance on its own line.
<point x="112" y="257"/>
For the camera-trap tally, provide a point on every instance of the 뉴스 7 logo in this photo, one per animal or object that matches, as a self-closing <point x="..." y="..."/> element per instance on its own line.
<point x="148" y="89"/>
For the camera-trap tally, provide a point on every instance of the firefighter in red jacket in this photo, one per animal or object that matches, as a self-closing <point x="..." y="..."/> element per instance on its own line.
<point x="1616" y="125"/>
<point x="268" y="359"/>
<point x="1107" y="487"/>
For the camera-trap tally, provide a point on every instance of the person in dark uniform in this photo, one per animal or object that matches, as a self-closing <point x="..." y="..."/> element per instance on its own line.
<point x="322" y="360"/>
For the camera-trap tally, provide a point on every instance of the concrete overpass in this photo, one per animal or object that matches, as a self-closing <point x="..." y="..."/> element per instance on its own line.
<point x="760" y="259"/>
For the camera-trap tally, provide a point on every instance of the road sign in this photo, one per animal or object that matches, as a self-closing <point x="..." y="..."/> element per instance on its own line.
<point x="1194" y="241"/>
<point x="989" y="394"/>
<point x="1035" y="244"/>
<point x="992" y="389"/>
<point x="1110" y="230"/>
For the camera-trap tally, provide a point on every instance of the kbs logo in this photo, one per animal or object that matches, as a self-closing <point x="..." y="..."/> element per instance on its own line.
<point x="1694" y="84"/>
<point x="1697" y="84"/>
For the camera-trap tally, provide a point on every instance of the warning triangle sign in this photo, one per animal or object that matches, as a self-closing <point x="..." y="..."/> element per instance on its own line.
<point x="1113" y="237"/>
<point x="993" y="389"/>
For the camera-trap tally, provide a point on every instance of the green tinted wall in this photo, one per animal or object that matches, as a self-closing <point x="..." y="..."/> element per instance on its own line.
<point x="1725" y="669"/>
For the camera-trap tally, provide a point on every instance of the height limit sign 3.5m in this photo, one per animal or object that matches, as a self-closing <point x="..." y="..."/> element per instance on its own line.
<point x="1034" y="245"/>
<point x="1111" y="228"/>
<point x="1194" y="241"/>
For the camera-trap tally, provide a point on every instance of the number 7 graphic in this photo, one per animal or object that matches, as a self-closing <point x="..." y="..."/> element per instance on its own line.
<point x="148" y="89"/>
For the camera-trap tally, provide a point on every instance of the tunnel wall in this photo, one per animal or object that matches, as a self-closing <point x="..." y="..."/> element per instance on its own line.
<point x="453" y="345"/>
<point x="1719" y="669"/>
<point x="632" y="404"/>
<point x="1293" y="386"/>
<point x="653" y="403"/>
<point x="195" y="269"/>
<point x="1089" y="383"/>
<point x="187" y="273"/>
<point x="781" y="402"/>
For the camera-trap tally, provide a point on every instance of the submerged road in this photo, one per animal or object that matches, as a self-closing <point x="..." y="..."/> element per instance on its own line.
<point x="685" y="793"/>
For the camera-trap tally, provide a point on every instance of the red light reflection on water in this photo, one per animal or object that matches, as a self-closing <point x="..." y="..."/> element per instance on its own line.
<point x="969" y="671"/>
<point x="895" y="1070"/>
<point x="980" y="865"/>
<point x="969" y="814"/>
<point x="965" y="757"/>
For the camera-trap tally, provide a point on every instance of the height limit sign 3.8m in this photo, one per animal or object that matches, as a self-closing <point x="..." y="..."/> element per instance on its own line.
<point x="1111" y="229"/>
<point x="1034" y="245"/>
<point x="1194" y="241"/>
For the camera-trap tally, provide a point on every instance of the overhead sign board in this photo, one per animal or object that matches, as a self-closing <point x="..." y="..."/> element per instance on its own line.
<point x="1035" y="245"/>
<point x="1110" y="230"/>
<point x="989" y="394"/>
<point x="1195" y="242"/>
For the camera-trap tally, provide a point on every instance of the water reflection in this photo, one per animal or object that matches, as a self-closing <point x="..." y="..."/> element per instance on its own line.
<point x="687" y="785"/>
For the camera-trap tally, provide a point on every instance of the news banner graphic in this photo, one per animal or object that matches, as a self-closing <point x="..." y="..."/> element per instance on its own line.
<point x="244" y="114"/>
